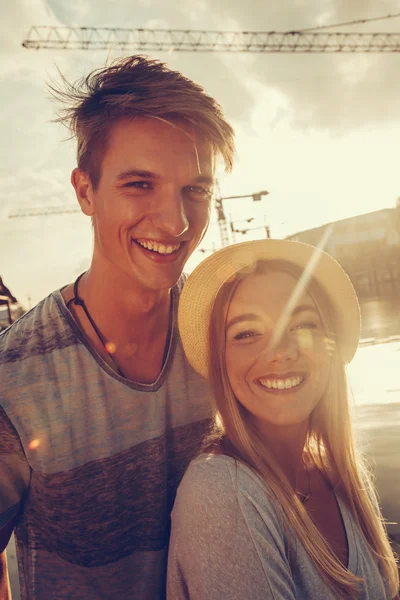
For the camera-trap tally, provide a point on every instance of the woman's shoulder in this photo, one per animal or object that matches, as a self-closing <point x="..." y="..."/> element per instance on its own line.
<point x="220" y="480"/>
<point x="221" y="496"/>
<point x="221" y="471"/>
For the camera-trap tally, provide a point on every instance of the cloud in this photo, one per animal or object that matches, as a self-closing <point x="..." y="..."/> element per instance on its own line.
<point x="24" y="189"/>
<point x="323" y="91"/>
<point x="320" y="91"/>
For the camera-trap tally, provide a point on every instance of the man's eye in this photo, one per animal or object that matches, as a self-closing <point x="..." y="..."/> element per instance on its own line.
<point x="140" y="185"/>
<point x="200" y="191"/>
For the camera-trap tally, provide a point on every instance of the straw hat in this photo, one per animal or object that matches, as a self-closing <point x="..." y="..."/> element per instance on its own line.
<point x="200" y="290"/>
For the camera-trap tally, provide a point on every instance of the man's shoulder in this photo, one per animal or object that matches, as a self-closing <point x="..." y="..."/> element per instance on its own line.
<point x="37" y="332"/>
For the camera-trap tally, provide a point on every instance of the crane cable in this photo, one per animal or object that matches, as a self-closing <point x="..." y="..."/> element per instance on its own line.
<point x="355" y="22"/>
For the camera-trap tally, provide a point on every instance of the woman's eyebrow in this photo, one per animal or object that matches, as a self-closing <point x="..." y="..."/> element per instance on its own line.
<point x="243" y="317"/>
<point x="304" y="308"/>
<point x="254" y="317"/>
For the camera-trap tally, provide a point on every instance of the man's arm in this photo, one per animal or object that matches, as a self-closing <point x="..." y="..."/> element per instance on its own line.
<point x="5" y="592"/>
<point x="5" y="534"/>
<point x="14" y="481"/>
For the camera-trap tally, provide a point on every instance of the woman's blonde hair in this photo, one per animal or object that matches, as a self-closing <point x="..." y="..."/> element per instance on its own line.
<point x="330" y="445"/>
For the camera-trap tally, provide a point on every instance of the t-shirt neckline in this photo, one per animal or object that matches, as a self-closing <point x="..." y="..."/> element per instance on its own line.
<point x="145" y="387"/>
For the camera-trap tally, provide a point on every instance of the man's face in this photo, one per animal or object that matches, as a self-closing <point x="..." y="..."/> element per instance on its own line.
<point x="152" y="205"/>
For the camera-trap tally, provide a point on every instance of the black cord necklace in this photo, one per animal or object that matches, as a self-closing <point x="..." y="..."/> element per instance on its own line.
<point x="79" y="301"/>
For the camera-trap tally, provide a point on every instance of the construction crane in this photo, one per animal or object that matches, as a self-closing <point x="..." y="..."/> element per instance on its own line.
<point x="222" y="220"/>
<point x="185" y="40"/>
<point x="44" y="211"/>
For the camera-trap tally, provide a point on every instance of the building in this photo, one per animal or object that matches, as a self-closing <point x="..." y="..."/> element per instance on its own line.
<point x="368" y="248"/>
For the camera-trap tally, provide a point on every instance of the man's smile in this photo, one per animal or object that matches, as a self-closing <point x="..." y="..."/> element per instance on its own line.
<point x="159" y="247"/>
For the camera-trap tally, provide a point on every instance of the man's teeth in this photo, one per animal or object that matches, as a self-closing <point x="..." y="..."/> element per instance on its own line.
<point x="281" y="384"/>
<point x="160" y="248"/>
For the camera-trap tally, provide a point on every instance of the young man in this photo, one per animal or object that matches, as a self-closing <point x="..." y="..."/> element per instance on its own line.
<point x="99" y="410"/>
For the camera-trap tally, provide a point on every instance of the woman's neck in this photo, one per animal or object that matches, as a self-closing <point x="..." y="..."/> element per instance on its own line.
<point x="287" y="445"/>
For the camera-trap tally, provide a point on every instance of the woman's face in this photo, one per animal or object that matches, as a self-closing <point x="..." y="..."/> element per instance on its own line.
<point x="279" y="381"/>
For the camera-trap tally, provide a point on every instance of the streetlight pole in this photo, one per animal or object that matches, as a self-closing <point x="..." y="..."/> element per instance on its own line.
<point x="222" y="221"/>
<point x="265" y="227"/>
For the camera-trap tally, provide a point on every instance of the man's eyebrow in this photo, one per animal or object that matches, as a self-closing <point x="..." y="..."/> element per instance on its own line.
<point x="208" y="179"/>
<point x="136" y="173"/>
<point x="243" y="317"/>
<point x="205" y="179"/>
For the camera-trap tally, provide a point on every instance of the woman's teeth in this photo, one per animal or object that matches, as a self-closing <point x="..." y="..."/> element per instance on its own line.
<point x="157" y="247"/>
<point x="281" y="384"/>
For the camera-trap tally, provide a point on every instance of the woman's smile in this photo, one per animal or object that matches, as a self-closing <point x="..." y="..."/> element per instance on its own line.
<point x="281" y="383"/>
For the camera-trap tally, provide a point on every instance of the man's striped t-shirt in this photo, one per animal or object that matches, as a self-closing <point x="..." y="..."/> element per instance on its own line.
<point x="89" y="461"/>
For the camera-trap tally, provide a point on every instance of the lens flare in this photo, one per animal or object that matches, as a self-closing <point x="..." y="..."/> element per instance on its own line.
<point x="301" y="285"/>
<point x="111" y="347"/>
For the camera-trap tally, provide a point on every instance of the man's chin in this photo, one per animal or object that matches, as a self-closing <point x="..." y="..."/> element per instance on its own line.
<point x="159" y="283"/>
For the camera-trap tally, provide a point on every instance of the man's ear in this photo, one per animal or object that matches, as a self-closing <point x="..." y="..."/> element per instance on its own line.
<point x="84" y="191"/>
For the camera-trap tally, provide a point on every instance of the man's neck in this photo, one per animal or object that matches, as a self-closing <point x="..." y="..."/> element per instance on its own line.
<point x="121" y="306"/>
<point x="133" y="322"/>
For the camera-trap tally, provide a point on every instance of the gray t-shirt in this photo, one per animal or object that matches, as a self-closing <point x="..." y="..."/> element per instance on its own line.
<point x="91" y="461"/>
<point x="229" y="542"/>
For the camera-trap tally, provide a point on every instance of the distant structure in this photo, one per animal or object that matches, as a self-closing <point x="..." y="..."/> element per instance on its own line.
<point x="5" y="293"/>
<point x="368" y="248"/>
<point x="10" y="309"/>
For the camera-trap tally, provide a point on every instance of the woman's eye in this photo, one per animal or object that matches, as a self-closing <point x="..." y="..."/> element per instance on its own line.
<point x="246" y="335"/>
<point x="305" y="325"/>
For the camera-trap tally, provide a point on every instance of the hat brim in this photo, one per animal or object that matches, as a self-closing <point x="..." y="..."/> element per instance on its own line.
<point x="200" y="290"/>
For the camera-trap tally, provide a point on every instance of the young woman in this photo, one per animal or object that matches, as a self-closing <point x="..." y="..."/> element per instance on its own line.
<point x="280" y="505"/>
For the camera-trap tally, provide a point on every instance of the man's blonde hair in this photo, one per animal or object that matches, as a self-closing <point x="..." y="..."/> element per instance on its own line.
<point x="137" y="87"/>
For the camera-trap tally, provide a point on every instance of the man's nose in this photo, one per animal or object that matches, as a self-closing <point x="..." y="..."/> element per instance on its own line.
<point x="170" y="214"/>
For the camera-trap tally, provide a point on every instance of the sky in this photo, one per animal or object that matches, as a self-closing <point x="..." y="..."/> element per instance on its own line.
<point x="319" y="132"/>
